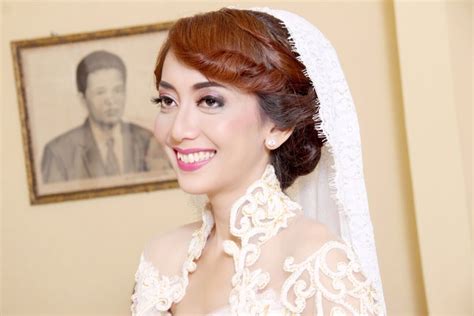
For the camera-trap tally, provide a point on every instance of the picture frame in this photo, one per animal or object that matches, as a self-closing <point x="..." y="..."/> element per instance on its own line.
<point x="86" y="113"/>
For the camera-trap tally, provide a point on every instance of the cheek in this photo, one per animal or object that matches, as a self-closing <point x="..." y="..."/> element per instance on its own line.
<point x="97" y="102"/>
<point x="92" y="107"/>
<point x="240" y="130"/>
<point x="119" y="97"/>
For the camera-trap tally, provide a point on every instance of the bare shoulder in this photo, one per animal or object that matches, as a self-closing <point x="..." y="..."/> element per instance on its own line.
<point x="309" y="235"/>
<point x="168" y="251"/>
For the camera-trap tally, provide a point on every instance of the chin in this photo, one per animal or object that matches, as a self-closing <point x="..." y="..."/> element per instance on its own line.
<point x="192" y="188"/>
<point x="197" y="183"/>
<point x="109" y="123"/>
<point x="113" y="121"/>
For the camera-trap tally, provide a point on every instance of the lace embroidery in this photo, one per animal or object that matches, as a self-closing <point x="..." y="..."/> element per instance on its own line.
<point x="254" y="219"/>
<point x="154" y="290"/>
<point x="336" y="121"/>
<point x="317" y="269"/>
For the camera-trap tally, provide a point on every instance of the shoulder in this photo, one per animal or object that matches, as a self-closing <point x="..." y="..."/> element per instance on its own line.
<point x="330" y="268"/>
<point x="310" y="235"/>
<point x="158" y="278"/>
<point x="68" y="139"/>
<point x="318" y="247"/>
<point x="168" y="251"/>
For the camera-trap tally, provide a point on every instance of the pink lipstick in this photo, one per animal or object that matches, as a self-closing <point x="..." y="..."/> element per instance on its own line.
<point x="191" y="159"/>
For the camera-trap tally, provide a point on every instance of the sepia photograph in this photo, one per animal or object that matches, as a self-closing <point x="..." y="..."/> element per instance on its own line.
<point x="86" y="113"/>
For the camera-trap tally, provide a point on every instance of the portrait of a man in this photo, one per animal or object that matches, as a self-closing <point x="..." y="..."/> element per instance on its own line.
<point x="104" y="145"/>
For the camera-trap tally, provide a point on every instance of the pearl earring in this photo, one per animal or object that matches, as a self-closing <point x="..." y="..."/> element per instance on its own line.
<point x="271" y="143"/>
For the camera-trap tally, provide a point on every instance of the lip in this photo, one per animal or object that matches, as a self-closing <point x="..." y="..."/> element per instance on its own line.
<point x="194" y="165"/>
<point x="191" y="150"/>
<point x="112" y="112"/>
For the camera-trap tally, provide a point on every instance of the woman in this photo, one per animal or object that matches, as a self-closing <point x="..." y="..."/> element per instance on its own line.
<point x="240" y="121"/>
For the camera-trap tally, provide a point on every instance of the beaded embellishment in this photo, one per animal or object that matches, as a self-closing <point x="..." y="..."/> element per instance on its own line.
<point x="254" y="219"/>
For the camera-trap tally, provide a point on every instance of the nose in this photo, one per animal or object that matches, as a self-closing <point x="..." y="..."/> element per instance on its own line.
<point x="112" y="98"/>
<point x="109" y="98"/>
<point x="185" y="125"/>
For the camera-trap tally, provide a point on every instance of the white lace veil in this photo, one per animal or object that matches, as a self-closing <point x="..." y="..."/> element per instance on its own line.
<point x="334" y="193"/>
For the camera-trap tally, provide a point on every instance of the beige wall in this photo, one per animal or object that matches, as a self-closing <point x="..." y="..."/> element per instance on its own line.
<point x="437" y="106"/>
<point x="79" y="258"/>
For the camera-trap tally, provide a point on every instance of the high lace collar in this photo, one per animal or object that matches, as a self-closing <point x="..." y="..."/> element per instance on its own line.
<point x="255" y="218"/>
<point x="263" y="210"/>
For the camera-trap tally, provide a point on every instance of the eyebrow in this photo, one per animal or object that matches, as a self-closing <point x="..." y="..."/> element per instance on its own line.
<point x="196" y="86"/>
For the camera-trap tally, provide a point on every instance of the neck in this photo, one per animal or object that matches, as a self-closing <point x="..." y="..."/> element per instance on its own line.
<point x="105" y="129"/>
<point x="220" y="207"/>
<point x="221" y="204"/>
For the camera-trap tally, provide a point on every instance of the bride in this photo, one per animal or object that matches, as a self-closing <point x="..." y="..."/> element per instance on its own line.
<point x="245" y="103"/>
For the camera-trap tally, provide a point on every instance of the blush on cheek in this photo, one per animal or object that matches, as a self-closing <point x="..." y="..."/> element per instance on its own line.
<point x="245" y="121"/>
<point x="233" y="129"/>
<point x="237" y="134"/>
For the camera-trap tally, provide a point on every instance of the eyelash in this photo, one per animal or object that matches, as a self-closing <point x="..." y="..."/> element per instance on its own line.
<point x="159" y="101"/>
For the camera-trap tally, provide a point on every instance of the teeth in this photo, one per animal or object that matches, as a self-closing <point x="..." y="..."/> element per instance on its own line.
<point x="195" y="157"/>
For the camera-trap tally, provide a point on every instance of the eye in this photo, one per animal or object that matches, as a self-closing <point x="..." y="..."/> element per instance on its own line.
<point x="99" y="91"/>
<point x="163" y="102"/>
<point x="119" y="89"/>
<point x="211" y="102"/>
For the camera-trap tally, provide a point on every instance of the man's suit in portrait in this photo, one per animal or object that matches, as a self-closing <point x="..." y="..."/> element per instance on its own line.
<point x="75" y="155"/>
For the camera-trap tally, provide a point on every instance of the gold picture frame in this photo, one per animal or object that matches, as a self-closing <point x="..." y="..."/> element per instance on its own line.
<point x="62" y="139"/>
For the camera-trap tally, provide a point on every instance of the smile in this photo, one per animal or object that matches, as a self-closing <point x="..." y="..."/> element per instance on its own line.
<point x="193" y="159"/>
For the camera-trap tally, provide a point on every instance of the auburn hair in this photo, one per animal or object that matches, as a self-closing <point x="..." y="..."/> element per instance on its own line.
<point x="251" y="51"/>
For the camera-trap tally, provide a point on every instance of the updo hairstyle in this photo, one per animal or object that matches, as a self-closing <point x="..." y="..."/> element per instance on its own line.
<point x="250" y="51"/>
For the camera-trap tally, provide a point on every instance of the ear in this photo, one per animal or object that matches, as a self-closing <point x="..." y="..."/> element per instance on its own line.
<point x="276" y="137"/>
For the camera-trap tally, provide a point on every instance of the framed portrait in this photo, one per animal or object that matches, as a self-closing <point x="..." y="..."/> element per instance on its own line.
<point x="86" y="113"/>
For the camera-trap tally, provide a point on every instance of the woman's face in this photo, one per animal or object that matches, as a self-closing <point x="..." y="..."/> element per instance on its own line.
<point x="212" y="133"/>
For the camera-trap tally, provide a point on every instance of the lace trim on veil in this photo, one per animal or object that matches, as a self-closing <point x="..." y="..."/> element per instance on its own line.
<point x="336" y="121"/>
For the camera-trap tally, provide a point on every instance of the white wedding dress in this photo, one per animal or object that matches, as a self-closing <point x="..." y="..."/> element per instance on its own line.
<point x="324" y="281"/>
